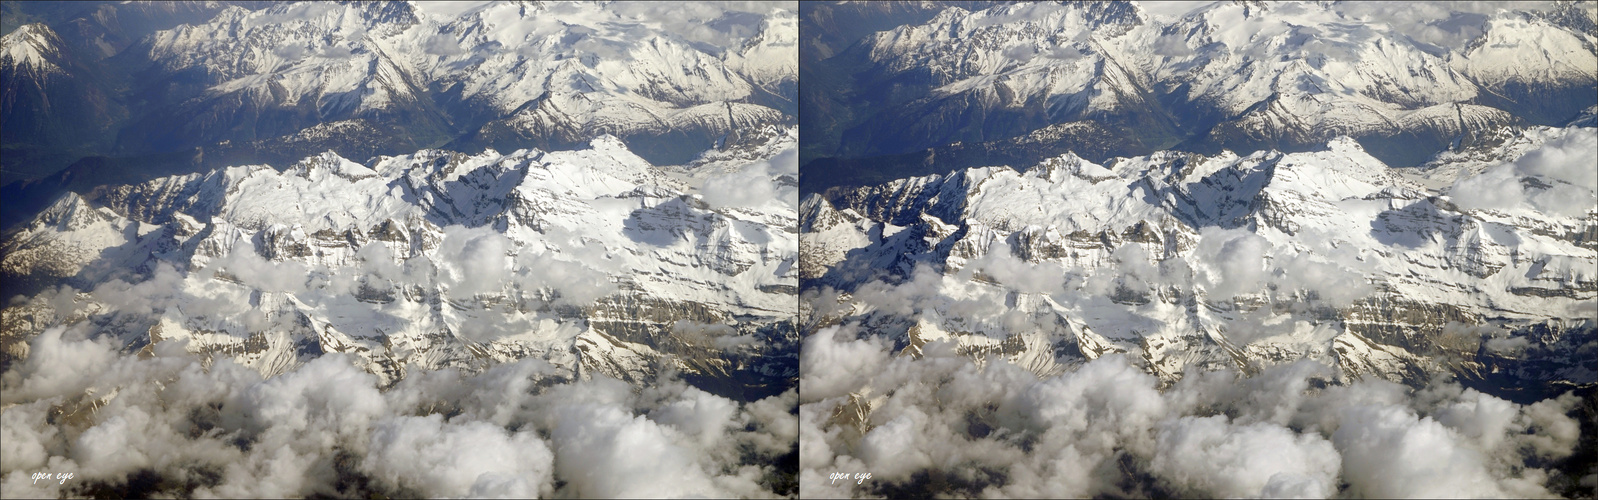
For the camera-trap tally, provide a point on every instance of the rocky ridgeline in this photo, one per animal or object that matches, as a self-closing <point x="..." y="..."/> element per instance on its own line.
<point x="592" y="259"/>
<point x="1187" y="260"/>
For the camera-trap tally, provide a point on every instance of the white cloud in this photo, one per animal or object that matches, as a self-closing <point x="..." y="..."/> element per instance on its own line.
<point x="1566" y="184"/>
<point x="831" y="367"/>
<point x="1389" y="452"/>
<point x="576" y="283"/>
<point x="59" y="364"/>
<point x="1234" y="261"/>
<point x="1212" y="456"/>
<point x="447" y="459"/>
<point x="1436" y="23"/>
<point x="474" y="260"/>
<point x="1335" y="285"/>
<point x="1507" y="345"/>
<point x="1168" y="10"/>
<point x="754" y="184"/>
<point x="700" y="414"/>
<point x="606" y="451"/>
<point x="1107" y="428"/>
<point x="442" y="45"/>
<point x="715" y="24"/>
<point x="1016" y="274"/>
<point x="518" y="430"/>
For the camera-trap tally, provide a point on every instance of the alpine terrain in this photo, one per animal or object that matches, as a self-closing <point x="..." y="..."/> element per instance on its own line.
<point x="243" y="83"/>
<point x="399" y="249"/>
<point x="911" y="88"/>
<point x="1235" y="249"/>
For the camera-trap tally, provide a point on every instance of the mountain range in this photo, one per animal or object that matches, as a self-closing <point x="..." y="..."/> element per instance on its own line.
<point x="926" y="87"/>
<point x="272" y="83"/>
<point x="1192" y="262"/>
<point x="592" y="259"/>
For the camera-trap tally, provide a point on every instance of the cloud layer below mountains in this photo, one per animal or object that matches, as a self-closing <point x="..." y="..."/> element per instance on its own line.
<point x="942" y="423"/>
<point x="1556" y="178"/>
<point x="210" y="427"/>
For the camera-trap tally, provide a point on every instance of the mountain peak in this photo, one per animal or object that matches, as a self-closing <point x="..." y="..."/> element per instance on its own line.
<point x="1071" y="164"/>
<point x="1344" y="144"/>
<point x="607" y="142"/>
<point x="30" y="46"/>
<point x="70" y="212"/>
<point x="331" y="162"/>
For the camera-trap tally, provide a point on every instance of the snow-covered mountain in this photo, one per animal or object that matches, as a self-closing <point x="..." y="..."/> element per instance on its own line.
<point x="592" y="259"/>
<point x="254" y="82"/>
<point x="28" y="51"/>
<point x="1027" y="81"/>
<point x="49" y="98"/>
<point x="64" y="95"/>
<point x="1483" y="264"/>
<point x="501" y="74"/>
<point x="1185" y="249"/>
<point x="551" y="243"/>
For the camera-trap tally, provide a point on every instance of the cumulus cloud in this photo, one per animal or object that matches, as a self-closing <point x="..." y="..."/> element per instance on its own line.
<point x="473" y="459"/>
<point x="252" y="270"/>
<point x="1020" y="53"/>
<point x="1333" y="284"/>
<point x="724" y="337"/>
<point x="1236" y="261"/>
<point x="829" y="365"/>
<point x="1556" y="178"/>
<point x="745" y="187"/>
<point x="337" y="52"/>
<point x="902" y="298"/>
<point x="1211" y="455"/>
<point x="609" y="452"/>
<point x="1062" y="52"/>
<point x="141" y="297"/>
<point x="755" y="184"/>
<point x="59" y="365"/>
<point x="1390" y="453"/>
<point x="442" y="45"/>
<point x="1108" y="428"/>
<point x="1171" y="46"/>
<point x="474" y="260"/>
<point x="1507" y="345"/>
<point x="1004" y="267"/>
<point x="478" y="260"/>
<point x="1233" y="262"/>
<point x="211" y="427"/>
<point x="576" y="283"/>
<point x="292" y="52"/>
<point x="1497" y="188"/>
<point x="714" y="25"/>
<point x="1449" y="25"/>
<point x="1172" y="9"/>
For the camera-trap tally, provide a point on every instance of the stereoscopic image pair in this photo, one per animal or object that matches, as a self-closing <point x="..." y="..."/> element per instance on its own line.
<point x="1108" y="249"/>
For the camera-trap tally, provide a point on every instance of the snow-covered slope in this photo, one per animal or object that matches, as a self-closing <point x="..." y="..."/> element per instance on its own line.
<point x="1483" y="265"/>
<point x="592" y="259"/>
<point x="28" y="51"/>
<point x="50" y="100"/>
<point x="479" y="74"/>
<point x="1227" y="75"/>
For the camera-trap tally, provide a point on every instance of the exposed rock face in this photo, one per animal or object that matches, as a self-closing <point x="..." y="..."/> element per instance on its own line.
<point x="979" y="84"/>
<point x="369" y="78"/>
<point x="1187" y="260"/>
<point x="592" y="259"/>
